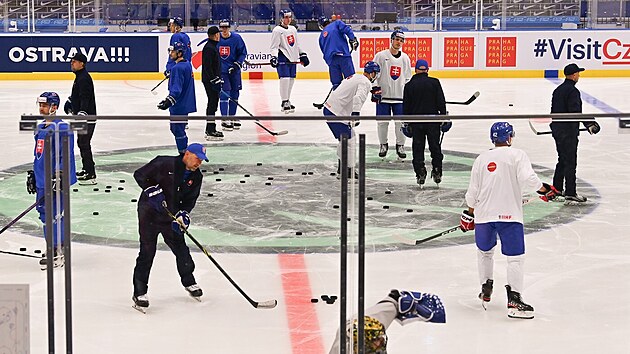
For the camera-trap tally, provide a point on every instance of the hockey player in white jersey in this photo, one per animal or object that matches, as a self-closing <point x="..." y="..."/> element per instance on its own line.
<point x="396" y="72"/>
<point x="347" y="100"/>
<point x="285" y="53"/>
<point x="494" y="197"/>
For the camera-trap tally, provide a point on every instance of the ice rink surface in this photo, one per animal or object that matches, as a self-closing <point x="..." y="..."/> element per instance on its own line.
<point x="576" y="273"/>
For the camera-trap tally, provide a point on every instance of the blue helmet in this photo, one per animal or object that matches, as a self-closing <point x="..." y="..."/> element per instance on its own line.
<point x="178" y="21"/>
<point x="285" y="13"/>
<point x="398" y="33"/>
<point x="179" y="47"/>
<point x="500" y="132"/>
<point x="323" y="21"/>
<point x="224" y="23"/>
<point x="371" y="67"/>
<point x="51" y="98"/>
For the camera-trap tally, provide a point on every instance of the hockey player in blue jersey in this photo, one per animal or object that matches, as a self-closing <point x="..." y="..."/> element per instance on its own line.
<point x="175" y="25"/>
<point x="233" y="52"/>
<point x="334" y="46"/>
<point x="48" y="103"/>
<point x="181" y="94"/>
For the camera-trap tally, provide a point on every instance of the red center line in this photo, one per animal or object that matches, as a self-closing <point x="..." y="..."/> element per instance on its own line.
<point x="261" y="107"/>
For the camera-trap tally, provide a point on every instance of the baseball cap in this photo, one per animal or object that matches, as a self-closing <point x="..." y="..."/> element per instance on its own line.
<point x="422" y="64"/>
<point x="572" y="69"/>
<point x="199" y="150"/>
<point x="80" y="57"/>
<point x="213" y="30"/>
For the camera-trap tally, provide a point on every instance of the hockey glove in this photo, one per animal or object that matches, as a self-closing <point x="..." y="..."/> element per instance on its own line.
<point x="31" y="185"/>
<point x="235" y="67"/>
<point x="155" y="197"/>
<point x="592" y="127"/>
<point x="167" y="73"/>
<point x="216" y="83"/>
<point x="416" y="306"/>
<point x="377" y="94"/>
<point x="274" y="62"/>
<point x="548" y="192"/>
<point x="166" y="103"/>
<point x="406" y="130"/>
<point x="467" y="221"/>
<point x="57" y="183"/>
<point x="446" y="126"/>
<point x="181" y="222"/>
<point x="67" y="107"/>
<point x="354" y="44"/>
<point x="304" y="59"/>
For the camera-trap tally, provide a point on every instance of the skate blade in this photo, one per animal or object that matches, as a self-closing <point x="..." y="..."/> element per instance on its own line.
<point x="90" y="182"/>
<point x="213" y="138"/>
<point x="226" y="129"/>
<point x="236" y="128"/>
<point x="141" y="309"/>
<point x="198" y="298"/>
<point x="514" y="313"/>
<point x="484" y="304"/>
<point x="573" y="203"/>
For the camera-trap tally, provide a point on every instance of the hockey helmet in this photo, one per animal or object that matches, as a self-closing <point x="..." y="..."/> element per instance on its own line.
<point x="398" y="34"/>
<point x="500" y="132"/>
<point x="323" y="21"/>
<point x="224" y="23"/>
<point x="178" y="47"/>
<point x="178" y="21"/>
<point x="371" y="67"/>
<point x="285" y="13"/>
<point x="374" y="334"/>
<point x="51" y="98"/>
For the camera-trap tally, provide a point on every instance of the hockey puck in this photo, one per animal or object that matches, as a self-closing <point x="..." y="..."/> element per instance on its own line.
<point x="96" y="189"/>
<point x="289" y="169"/>
<point x="325" y="297"/>
<point x="245" y="175"/>
<point x="511" y="105"/>
<point x="335" y="206"/>
<point x="298" y="233"/>
<point x="385" y="206"/>
<point x="95" y="213"/>
<point x="121" y="181"/>
<point x="267" y="183"/>
<point x="107" y="191"/>
<point x="370" y="198"/>
<point x="215" y="172"/>
<point x="204" y="171"/>
<point x="303" y="173"/>
<point x="258" y="163"/>
<point x="349" y="219"/>
<point x="242" y="181"/>
<point x="315" y="300"/>
<point x="388" y="192"/>
<point x="121" y="188"/>
<point x="218" y="179"/>
<point x="333" y="297"/>
<point x="410" y="210"/>
<point x="75" y="189"/>
<point x="221" y="169"/>
<point x="330" y="301"/>
<point x="270" y="178"/>
<point x="38" y="251"/>
<point x="108" y="187"/>
<point x="22" y="249"/>
<point x="310" y="173"/>
<point x="210" y="195"/>
<point x="333" y="174"/>
<point x="134" y="200"/>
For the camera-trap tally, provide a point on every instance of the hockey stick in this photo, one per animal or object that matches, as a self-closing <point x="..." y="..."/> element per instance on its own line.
<point x="19" y="217"/>
<point x="282" y="132"/>
<point x="470" y="100"/>
<point x="259" y="305"/>
<point x="19" y="254"/>
<point x="547" y="132"/>
<point x="321" y="105"/>
<point x="158" y="85"/>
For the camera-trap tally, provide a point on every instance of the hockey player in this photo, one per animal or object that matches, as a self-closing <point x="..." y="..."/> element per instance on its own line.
<point x="404" y="307"/>
<point x="175" y="25"/>
<point x="334" y="47"/>
<point x="48" y="103"/>
<point x="285" y="52"/>
<point x="233" y="52"/>
<point x="347" y="100"/>
<point x="424" y="95"/>
<point x="171" y="182"/>
<point x="181" y="94"/>
<point x="396" y="67"/>
<point x="211" y="79"/>
<point x="495" y="207"/>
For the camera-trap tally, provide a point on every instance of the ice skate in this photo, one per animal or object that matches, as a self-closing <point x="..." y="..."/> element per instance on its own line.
<point x="574" y="199"/>
<point x="58" y="260"/>
<point x="400" y="151"/>
<point x="516" y="307"/>
<point x="214" y="136"/>
<point x="382" y="152"/>
<point x="140" y="303"/>
<point x="236" y="124"/>
<point x="422" y="177"/>
<point x="291" y="107"/>
<point x="486" y="293"/>
<point x="436" y="175"/>
<point x="194" y="291"/>
<point x="286" y="107"/>
<point x="87" y="179"/>
<point x="227" y="126"/>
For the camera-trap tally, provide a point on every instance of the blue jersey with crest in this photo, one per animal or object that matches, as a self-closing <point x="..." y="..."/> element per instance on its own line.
<point x="181" y="86"/>
<point x="231" y="49"/>
<point x="182" y="38"/>
<point x="332" y="40"/>
<point x="44" y="129"/>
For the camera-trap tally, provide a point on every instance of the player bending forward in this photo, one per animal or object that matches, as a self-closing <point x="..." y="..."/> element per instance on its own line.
<point x="495" y="207"/>
<point x="347" y="100"/>
<point x="403" y="306"/>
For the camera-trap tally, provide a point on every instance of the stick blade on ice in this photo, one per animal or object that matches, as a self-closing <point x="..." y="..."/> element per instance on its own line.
<point x="283" y="132"/>
<point x="267" y="304"/>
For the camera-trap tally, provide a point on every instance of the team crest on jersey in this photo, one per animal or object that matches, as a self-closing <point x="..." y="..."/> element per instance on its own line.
<point x="39" y="148"/>
<point x="291" y="40"/>
<point x="224" y="51"/>
<point x="325" y="34"/>
<point x="190" y="182"/>
<point x="394" y="72"/>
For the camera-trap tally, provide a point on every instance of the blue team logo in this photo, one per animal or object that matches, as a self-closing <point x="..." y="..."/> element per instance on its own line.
<point x="394" y="72"/>
<point x="291" y="40"/>
<point x="224" y="51"/>
<point x="39" y="148"/>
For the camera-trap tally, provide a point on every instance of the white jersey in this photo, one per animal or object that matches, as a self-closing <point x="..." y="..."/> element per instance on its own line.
<point x="285" y="40"/>
<point x="395" y="73"/>
<point x="349" y="96"/>
<point x="497" y="182"/>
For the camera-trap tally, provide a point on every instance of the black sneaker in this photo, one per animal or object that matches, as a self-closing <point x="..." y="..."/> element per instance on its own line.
<point x="214" y="136"/>
<point x="87" y="179"/>
<point x="422" y="177"/>
<point x="516" y="307"/>
<point x="436" y="174"/>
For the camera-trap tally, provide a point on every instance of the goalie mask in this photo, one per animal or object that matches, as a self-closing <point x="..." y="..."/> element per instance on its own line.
<point x="375" y="336"/>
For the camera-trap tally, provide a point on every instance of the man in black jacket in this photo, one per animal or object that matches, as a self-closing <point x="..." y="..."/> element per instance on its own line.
<point x="211" y="79"/>
<point x="82" y="102"/>
<point x="566" y="99"/>
<point x="424" y="95"/>
<point x="171" y="182"/>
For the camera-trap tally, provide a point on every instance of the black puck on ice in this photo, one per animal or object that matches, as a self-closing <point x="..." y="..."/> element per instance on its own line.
<point x="333" y="174"/>
<point x="330" y="301"/>
<point x="270" y="178"/>
<point x="22" y="249"/>
<point x="335" y="206"/>
<point x="349" y="219"/>
<point x="75" y="189"/>
<point x="258" y="163"/>
<point x="314" y="300"/>
<point x="221" y="169"/>
<point x="289" y="169"/>
<point x="215" y="172"/>
<point x="245" y="175"/>
<point x="267" y="183"/>
<point x="385" y="206"/>
<point x="95" y="213"/>
<point x="410" y="210"/>
<point x="95" y="189"/>
<point x="242" y="181"/>
<point x="370" y="198"/>
<point x="325" y="297"/>
<point x="510" y="105"/>
<point x="108" y="187"/>
<point x="298" y="233"/>
<point x="218" y="179"/>
<point x="121" y="180"/>
<point x="388" y="192"/>
<point x="303" y="173"/>
<point x="210" y="195"/>
<point x="121" y="188"/>
<point x="204" y="171"/>
<point x="333" y="297"/>
<point x="310" y="173"/>
<point x="134" y="200"/>
<point x="38" y="251"/>
<point x="107" y="191"/>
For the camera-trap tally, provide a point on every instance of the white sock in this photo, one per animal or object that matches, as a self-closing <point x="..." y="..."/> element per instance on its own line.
<point x="284" y="88"/>
<point x="515" y="269"/>
<point x="351" y="150"/>
<point x="400" y="137"/>
<point x="291" y="82"/>
<point x="485" y="264"/>
<point x="382" y="128"/>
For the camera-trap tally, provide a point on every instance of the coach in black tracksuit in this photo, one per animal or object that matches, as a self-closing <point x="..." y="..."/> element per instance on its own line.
<point x="211" y="79"/>
<point x="177" y="181"/>
<point x="424" y="95"/>
<point x="82" y="101"/>
<point x="566" y="99"/>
